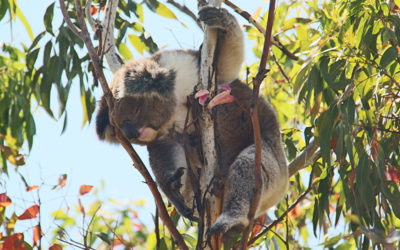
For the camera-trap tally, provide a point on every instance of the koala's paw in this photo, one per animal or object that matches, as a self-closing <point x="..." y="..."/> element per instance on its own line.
<point x="215" y="17"/>
<point x="175" y="179"/>
<point x="175" y="196"/>
<point x="229" y="227"/>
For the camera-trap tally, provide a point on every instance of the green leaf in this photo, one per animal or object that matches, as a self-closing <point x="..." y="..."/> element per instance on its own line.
<point x="36" y="41"/>
<point x="104" y="237"/>
<point x="138" y="10"/>
<point x="324" y="127"/>
<point x="25" y="23"/>
<point x="31" y="58"/>
<point x="3" y="8"/>
<point x="163" y="10"/>
<point x="48" y="18"/>
<point x="299" y="77"/>
<point x="125" y="52"/>
<point x="388" y="57"/>
<point x="139" y="45"/>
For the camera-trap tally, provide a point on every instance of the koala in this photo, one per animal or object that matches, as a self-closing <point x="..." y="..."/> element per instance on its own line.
<point x="151" y="109"/>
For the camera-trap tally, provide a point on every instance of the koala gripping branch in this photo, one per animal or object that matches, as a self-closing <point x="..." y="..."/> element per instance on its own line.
<point x="83" y="34"/>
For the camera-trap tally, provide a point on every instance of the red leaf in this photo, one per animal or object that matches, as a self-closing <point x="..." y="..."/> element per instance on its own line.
<point x="84" y="189"/>
<point x="36" y="234"/>
<point x="138" y="226"/>
<point x="5" y="201"/>
<point x="117" y="241"/>
<point x="295" y="212"/>
<point x="81" y="206"/>
<point x="30" y="213"/>
<point x="14" y="242"/>
<point x="93" y="10"/>
<point x="258" y="225"/>
<point x="62" y="180"/>
<point x="392" y="174"/>
<point x="56" y="247"/>
<point x="32" y="188"/>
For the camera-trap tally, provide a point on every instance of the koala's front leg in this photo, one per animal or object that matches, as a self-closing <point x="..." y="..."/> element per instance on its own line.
<point x="168" y="163"/>
<point x="231" y="43"/>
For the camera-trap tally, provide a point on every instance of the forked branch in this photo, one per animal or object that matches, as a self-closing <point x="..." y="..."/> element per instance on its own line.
<point x="83" y="34"/>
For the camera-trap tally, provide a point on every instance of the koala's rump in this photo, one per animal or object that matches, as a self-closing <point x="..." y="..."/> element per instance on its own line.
<point x="234" y="130"/>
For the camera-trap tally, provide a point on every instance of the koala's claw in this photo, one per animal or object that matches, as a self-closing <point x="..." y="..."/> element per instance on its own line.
<point x="175" y="179"/>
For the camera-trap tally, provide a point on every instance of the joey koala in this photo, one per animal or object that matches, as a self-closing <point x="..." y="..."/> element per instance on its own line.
<point x="151" y="109"/>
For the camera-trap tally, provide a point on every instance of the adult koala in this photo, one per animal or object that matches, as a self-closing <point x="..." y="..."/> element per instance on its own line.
<point x="150" y="108"/>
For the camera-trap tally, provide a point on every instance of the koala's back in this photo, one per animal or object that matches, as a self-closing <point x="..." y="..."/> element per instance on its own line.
<point x="234" y="131"/>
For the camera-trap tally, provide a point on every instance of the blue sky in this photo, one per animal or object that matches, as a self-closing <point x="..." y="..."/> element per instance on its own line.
<point x="78" y="153"/>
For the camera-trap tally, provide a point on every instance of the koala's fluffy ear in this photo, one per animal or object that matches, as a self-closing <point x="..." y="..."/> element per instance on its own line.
<point x="103" y="126"/>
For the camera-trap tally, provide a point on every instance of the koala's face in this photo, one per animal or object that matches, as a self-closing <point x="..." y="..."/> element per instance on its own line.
<point x="141" y="117"/>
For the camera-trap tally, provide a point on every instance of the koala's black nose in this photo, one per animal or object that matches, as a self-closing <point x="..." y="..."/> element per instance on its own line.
<point x="130" y="130"/>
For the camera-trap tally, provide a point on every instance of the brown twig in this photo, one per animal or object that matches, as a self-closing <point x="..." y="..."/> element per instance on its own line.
<point x="256" y="124"/>
<point x="83" y="34"/>
<point x="246" y="15"/>
<point x="183" y="8"/>
<point x="280" y="68"/>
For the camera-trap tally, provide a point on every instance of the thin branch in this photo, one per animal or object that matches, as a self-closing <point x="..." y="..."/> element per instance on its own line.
<point x="183" y="8"/>
<point x="71" y="26"/>
<point x="306" y="158"/>
<point x="84" y="35"/>
<point x="246" y="15"/>
<point x="256" y="124"/>
<point x="281" y="69"/>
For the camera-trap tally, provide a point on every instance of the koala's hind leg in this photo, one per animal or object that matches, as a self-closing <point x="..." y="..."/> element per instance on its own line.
<point x="240" y="190"/>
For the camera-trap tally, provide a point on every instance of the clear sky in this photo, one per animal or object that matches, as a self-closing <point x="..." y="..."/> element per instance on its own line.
<point x="78" y="153"/>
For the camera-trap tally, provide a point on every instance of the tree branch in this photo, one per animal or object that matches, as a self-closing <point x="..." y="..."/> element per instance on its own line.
<point x="139" y="165"/>
<point x="256" y="124"/>
<point x="208" y="81"/>
<point x="307" y="157"/>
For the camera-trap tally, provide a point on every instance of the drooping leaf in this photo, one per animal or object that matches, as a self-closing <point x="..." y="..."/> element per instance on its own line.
<point x="5" y="201"/>
<point x="139" y="45"/>
<point x="48" y="18"/>
<point x="25" y="22"/>
<point x="36" y="234"/>
<point x="29" y="213"/>
<point x="62" y="181"/>
<point x="55" y="247"/>
<point x="30" y="188"/>
<point x="84" y="189"/>
<point x="36" y="40"/>
<point x="14" y="242"/>
<point x="125" y="52"/>
<point x="388" y="57"/>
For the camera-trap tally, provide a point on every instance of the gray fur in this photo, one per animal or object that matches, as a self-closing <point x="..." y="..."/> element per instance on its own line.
<point x="151" y="104"/>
